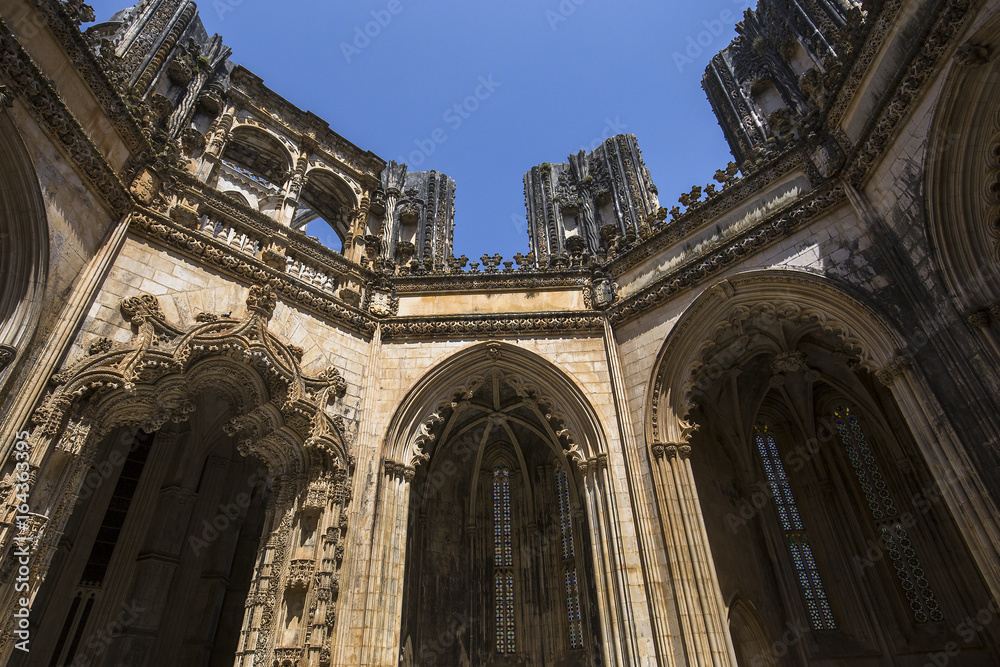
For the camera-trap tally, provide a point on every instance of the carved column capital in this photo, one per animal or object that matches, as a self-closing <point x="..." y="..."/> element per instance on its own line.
<point x="894" y="369"/>
<point x="399" y="471"/>
<point x="994" y="309"/>
<point x="680" y="451"/>
<point x="657" y="450"/>
<point x="979" y="318"/>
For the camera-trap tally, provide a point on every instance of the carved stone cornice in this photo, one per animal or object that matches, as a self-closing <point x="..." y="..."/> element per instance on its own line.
<point x="491" y="325"/>
<point x="211" y="201"/>
<point x="952" y="16"/>
<point x="224" y="258"/>
<point x="365" y="166"/>
<point x="707" y="211"/>
<point x="123" y="380"/>
<point x="694" y="272"/>
<point x="63" y="21"/>
<point x="27" y="81"/>
<point x="878" y="26"/>
<point x="502" y="280"/>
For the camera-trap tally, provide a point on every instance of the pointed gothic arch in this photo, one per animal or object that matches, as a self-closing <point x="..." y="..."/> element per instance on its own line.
<point x="24" y="244"/>
<point x="775" y="350"/>
<point x="963" y="179"/>
<point x="535" y="403"/>
<point x="275" y="414"/>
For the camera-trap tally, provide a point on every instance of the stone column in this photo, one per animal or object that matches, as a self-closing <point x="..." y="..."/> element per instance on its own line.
<point x="652" y="574"/>
<point x="390" y="225"/>
<point x="704" y="628"/>
<point x="349" y="630"/>
<point x="215" y="144"/>
<point x="619" y="626"/>
<point x="963" y="490"/>
<point x="981" y="320"/>
<point x="380" y="645"/>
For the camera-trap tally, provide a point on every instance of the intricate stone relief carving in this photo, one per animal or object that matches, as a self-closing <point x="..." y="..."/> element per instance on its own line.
<point x="7" y="354"/>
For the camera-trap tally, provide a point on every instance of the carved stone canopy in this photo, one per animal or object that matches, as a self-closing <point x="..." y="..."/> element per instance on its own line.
<point x="155" y="377"/>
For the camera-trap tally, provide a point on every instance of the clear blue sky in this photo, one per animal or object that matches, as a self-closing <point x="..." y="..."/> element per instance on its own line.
<point x="564" y="75"/>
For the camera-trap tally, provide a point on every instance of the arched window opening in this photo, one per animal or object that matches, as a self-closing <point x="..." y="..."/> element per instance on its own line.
<point x="258" y="155"/>
<point x="569" y="561"/>
<point x="498" y="556"/>
<point x="324" y="206"/>
<point x="796" y="538"/>
<point x="887" y="519"/>
<point x="503" y="561"/>
<point x="767" y="98"/>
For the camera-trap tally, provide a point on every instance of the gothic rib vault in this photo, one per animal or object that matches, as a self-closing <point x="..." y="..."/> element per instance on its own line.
<point x="759" y="427"/>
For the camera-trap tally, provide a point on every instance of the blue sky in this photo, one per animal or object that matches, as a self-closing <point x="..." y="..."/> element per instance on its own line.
<point x="534" y="81"/>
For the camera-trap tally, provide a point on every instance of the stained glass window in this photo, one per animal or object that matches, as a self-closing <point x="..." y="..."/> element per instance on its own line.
<point x="894" y="537"/>
<point x="503" y="560"/>
<point x="569" y="561"/>
<point x="817" y="604"/>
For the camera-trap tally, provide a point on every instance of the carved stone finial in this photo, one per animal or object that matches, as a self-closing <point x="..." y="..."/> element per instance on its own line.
<point x="494" y="352"/>
<point x="332" y="376"/>
<point x="972" y="55"/>
<point x="979" y="318"/>
<point x="139" y="309"/>
<point x="262" y="300"/>
<point x="994" y="309"/>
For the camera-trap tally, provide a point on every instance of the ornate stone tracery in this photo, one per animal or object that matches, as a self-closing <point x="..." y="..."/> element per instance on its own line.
<point x="281" y="417"/>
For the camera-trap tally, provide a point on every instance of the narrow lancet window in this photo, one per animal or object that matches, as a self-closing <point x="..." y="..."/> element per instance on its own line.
<point x="503" y="560"/>
<point x="820" y="614"/>
<point x="887" y="520"/>
<point x="569" y="561"/>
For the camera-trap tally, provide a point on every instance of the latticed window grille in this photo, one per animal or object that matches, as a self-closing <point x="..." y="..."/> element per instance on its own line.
<point x="893" y="534"/>
<point x="569" y="561"/>
<point x="810" y="583"/>
<point x="503" y="560"/>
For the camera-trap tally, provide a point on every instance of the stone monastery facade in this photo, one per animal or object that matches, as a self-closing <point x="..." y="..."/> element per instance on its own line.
<point x="756" y="428"/>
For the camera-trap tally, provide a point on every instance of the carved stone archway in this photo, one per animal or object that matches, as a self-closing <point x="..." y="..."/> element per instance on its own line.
<point x="704" y="347"/>
<point x="24" y="242"/>
<point x="567" y="418"/>
<point x="280" y="417"/>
